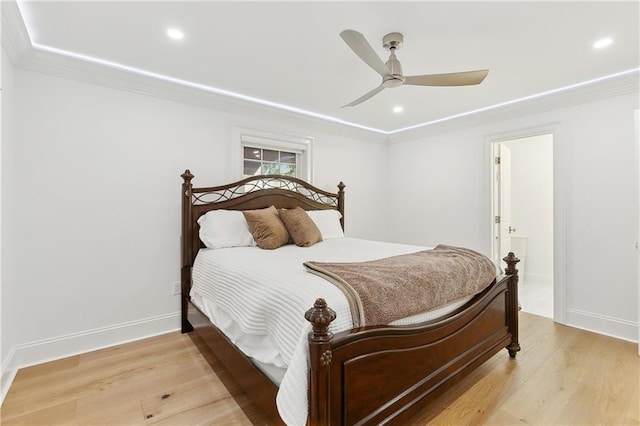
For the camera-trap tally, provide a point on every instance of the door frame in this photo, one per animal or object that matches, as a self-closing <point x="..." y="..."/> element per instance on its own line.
<point x="636" y="121"/>
<point x="561" y="169"/>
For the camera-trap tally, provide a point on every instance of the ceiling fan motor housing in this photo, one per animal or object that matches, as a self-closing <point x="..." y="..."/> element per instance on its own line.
<point x="394" y="66"/>
<point x="392" y="41"/>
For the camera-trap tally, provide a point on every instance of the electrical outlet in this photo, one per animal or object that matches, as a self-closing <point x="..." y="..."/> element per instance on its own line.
<point x="176" y="288"/>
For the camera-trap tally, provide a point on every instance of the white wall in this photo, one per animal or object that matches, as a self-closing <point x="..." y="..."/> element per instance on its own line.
<point x="96" y="209"/>
<point x="445" y="193"/>
<point x="437" y="191"/>
<point x="94" y="213"/>
<point x="532" y="204"/>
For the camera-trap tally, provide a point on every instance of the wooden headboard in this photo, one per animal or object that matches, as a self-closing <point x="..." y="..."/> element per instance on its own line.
<point x="255" y="192"/>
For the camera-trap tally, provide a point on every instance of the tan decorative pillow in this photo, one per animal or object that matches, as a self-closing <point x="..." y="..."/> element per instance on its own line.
<point x="302" y="229"/>
<point x="266" y="227"/>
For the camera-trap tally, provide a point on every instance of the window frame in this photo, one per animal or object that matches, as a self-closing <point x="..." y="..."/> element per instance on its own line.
<point x="300" y="145"/>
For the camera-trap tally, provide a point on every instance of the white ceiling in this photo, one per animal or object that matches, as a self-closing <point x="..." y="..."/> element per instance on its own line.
<point x="290" y="53"/>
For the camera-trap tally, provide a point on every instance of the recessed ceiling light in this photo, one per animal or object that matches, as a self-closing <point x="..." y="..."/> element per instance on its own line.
<point x="175" y="34"/>
<point x="603" y="42"/>
<point x="397" y="109"/>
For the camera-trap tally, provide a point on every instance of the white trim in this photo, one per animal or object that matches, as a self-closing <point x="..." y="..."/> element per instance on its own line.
<point x="561" y="167"/>
<point x="15" y="38"/>
<point x="7" y="373"/>
<point x="602" y="324"/>
<point x="51" y="60"/>
<point x="38" y="352"/>
<point x="636" y="116"/>
<point x="519" y="100"/>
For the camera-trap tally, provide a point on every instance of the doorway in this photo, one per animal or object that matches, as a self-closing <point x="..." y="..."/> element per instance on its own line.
<point x="523" y="215"/>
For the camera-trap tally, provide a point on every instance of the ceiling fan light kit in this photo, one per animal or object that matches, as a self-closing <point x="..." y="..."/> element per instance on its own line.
<point x="391" y="71"/>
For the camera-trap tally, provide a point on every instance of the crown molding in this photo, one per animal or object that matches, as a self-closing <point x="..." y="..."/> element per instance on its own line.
<point x="617" y="86"/>
<point x="24" y="55"/>
<point x="15" y="38"/>
<point x="16" y="42"/>
<point x="54" y="64"/>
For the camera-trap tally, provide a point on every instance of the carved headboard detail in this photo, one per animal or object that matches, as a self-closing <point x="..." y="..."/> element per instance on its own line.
<point x="255" y="192"/>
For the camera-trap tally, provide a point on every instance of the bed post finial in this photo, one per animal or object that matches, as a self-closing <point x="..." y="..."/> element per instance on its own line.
<point x="187" y="176"/>
<point x="511" y="261"/>
<point x="320" y="316"/>
<point x="513" y="305"/>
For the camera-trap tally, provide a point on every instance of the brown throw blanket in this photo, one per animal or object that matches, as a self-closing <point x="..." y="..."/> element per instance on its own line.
<point x="384" y="290"/>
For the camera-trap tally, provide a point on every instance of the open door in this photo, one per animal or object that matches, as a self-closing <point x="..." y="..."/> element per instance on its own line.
<point x="502" y="202"/>
<point x="505" y="201"/>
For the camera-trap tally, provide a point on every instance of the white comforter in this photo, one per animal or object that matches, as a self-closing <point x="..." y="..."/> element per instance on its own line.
<point x="258" y="299"/>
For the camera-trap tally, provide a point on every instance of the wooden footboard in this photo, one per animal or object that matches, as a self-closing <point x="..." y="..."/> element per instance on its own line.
<point x="379" y="375"/>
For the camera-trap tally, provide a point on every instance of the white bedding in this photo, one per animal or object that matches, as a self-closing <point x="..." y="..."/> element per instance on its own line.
<point x="258" y="298"/>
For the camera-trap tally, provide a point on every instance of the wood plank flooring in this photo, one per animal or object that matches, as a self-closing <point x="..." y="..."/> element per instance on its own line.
<point x="562" y="376"/>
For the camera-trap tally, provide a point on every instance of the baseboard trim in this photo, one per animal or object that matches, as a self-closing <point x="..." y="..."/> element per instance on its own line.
<point x="38" y="352"/>
<point x="602" y="324"/>
<point x="8" y="373"/>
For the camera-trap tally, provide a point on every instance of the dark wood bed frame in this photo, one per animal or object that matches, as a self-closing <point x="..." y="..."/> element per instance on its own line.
<point x="368" y="375"/>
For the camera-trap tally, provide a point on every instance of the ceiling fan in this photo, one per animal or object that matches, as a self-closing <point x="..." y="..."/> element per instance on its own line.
<point x="391" y="71"/>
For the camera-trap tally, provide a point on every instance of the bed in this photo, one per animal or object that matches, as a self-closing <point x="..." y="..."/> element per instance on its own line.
<point x="371" y="374"/>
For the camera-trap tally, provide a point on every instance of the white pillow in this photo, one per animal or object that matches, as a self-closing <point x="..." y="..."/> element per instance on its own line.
<point x="328" y="222"/>
<point x="225" y="228"/>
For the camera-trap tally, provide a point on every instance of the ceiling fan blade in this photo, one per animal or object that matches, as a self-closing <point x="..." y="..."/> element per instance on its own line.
<point x="466" y="78"/>
<point x="363" y="49"/>
<point x="366" y="96"/>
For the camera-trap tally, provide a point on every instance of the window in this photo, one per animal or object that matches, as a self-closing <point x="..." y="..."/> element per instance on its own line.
<point x="259" y="153"/>
<point x="262" y="161"/>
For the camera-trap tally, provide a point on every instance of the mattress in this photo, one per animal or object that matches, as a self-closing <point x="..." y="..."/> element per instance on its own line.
<point x="257" y="298"/>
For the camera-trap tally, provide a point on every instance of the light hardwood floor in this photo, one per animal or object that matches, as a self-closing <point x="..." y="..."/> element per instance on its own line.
<point x="561" y="376"/>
